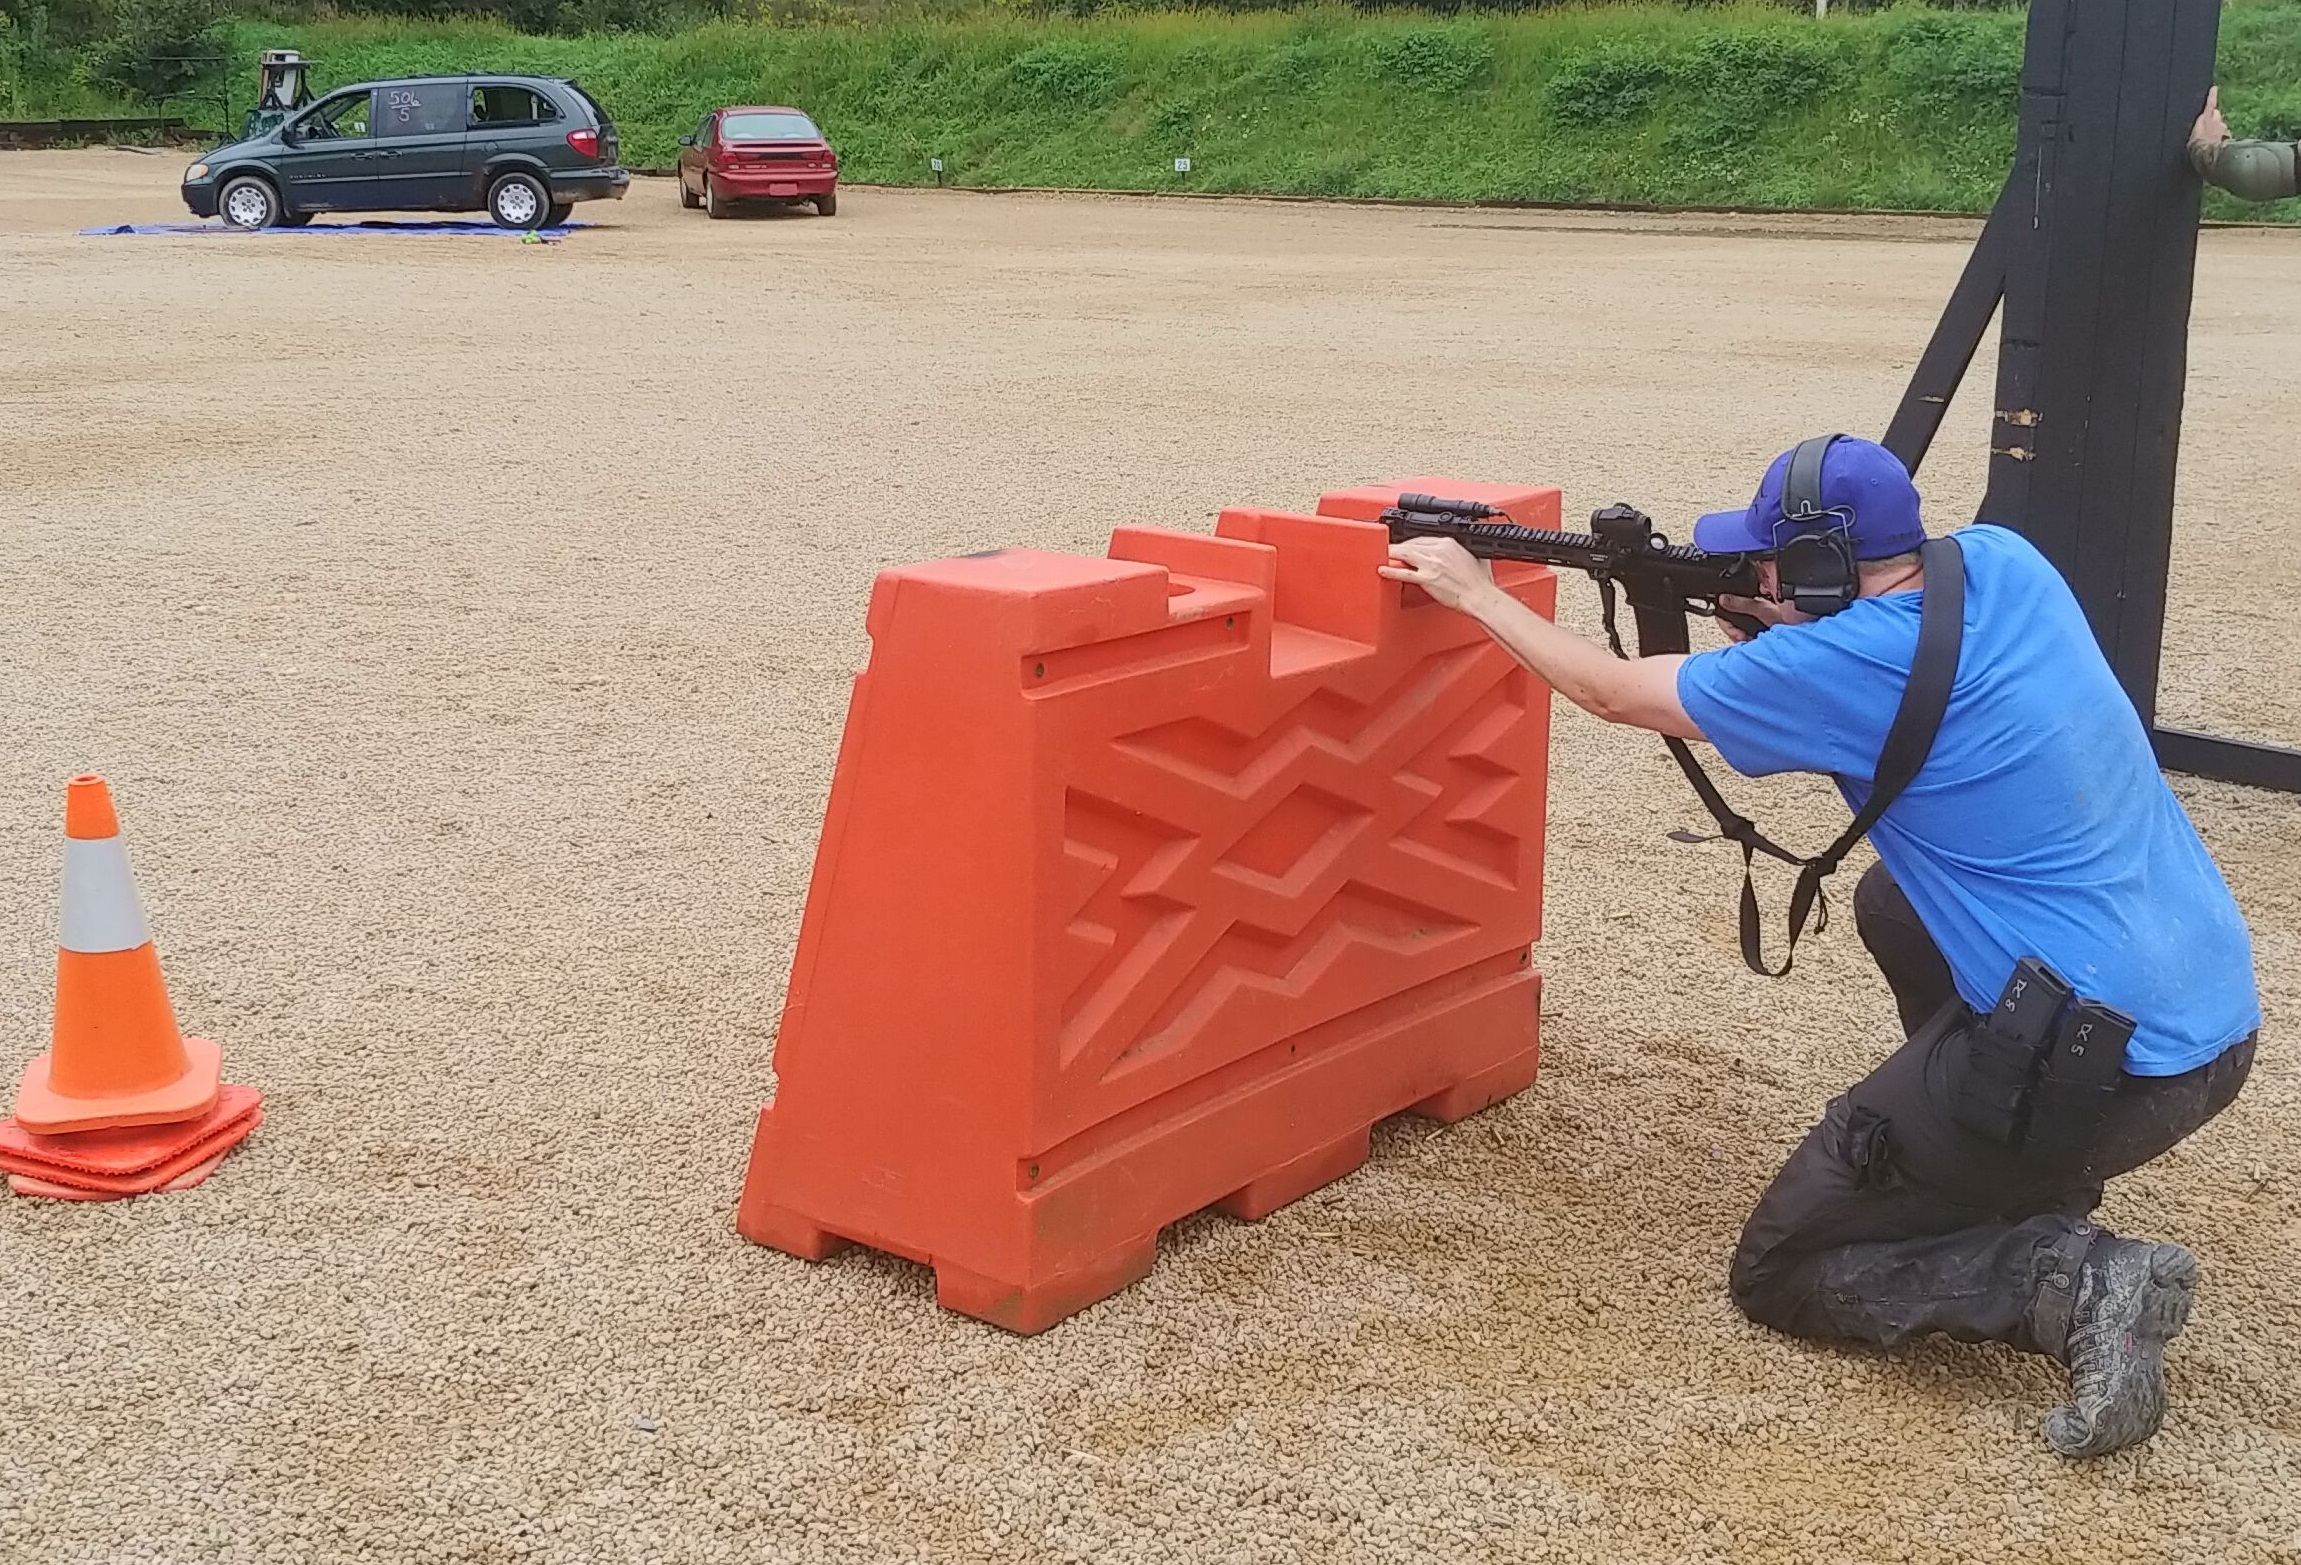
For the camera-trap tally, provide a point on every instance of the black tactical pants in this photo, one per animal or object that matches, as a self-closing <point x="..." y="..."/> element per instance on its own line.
<point x="1891" y="1220"/>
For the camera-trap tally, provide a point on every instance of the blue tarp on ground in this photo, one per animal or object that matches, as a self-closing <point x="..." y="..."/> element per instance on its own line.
<point x="368" y="227"/>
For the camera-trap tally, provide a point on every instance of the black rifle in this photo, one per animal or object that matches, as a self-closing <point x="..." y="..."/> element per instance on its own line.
<point x="1664" y="582"/>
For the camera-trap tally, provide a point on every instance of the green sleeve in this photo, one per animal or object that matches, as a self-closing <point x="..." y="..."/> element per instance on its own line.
<point x="2248" y="170"/>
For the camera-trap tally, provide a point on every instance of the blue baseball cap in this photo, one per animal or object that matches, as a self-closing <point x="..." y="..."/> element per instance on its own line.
<point x="1864" y="486"/>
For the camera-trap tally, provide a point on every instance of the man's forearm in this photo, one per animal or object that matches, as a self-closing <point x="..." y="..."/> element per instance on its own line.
<point x="2248" y="170"/>
<point x="1641" y="692"/>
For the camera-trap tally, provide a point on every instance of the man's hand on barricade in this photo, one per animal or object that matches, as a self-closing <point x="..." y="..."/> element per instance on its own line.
<point x="1442" y="568"/>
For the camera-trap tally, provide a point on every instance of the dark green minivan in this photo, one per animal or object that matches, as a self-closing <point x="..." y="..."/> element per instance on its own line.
<point x="523" y="149"/>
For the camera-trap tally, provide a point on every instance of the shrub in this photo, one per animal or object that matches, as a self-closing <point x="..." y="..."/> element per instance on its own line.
<point x="1769" y="73"/>
<point x="1067" y="73"/>
<point x="1174" y="122"/>
<point x="11" y="70"/>
<point x="1433" y="59"/>
<point x="2271" y="118"/>
<point x="1607" y="86"/>
<point x="1299" y="64"/>
<point x="1958" y="64"/>
<point x="157" y="48"/>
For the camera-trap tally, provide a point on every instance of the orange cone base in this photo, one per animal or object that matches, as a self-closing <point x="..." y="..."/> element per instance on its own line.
<point x="25" y="1184"/>
<point x="44" y="1111"/>
<point x="180" y="1172"/>
<point x="114" y="1154"/>
<point x="1090" y="1226"/>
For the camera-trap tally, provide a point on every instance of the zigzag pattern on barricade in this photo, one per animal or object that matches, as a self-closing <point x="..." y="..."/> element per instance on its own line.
<point x="1209" y="925"/>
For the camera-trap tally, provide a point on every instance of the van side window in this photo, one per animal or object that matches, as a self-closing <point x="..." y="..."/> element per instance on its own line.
<point x="336" y="118"/>
<point x="499" y="106"/>
<point x="420" y="109"/>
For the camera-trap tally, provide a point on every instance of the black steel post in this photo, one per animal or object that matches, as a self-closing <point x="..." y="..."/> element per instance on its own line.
<point x="2094" y="353"/>
<point x="2093" y="247"/>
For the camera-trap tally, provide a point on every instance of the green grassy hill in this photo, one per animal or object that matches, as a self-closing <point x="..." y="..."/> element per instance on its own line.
<point x="1757" y="106"/>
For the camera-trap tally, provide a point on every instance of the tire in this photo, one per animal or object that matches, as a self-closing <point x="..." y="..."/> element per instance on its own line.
<point x="248" y="202"/>
<point x="518" y="201"/>
<point x="711" y="201"/>
<point x="557" y="213"/>
<point x="688" y="198"/>
<point x="827" y="204"/>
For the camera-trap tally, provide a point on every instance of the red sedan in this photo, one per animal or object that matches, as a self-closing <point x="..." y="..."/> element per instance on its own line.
<point x="757" y="154"/>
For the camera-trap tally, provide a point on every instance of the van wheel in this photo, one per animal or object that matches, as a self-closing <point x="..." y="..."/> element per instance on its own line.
<point x="248" y="202"/>
<point x="826" y="204"/>
<point x="712" y="201"/>
<point x="556" y="213"/>
<point x="688" y="198"/>
<point x="518" y="201"/>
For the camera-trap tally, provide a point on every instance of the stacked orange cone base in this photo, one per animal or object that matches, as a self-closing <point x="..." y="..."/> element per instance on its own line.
<point x="102" y="1165"/>
<point x="122" y="1104"/>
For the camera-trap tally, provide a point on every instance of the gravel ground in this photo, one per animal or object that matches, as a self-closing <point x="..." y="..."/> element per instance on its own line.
<point x="466" y="627"/>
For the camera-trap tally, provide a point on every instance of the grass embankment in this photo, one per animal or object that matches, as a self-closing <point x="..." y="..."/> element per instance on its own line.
<point x="1712" y="107"/>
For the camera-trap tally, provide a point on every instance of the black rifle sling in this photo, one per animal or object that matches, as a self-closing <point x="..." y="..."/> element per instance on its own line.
<point x="1941" y="638"/>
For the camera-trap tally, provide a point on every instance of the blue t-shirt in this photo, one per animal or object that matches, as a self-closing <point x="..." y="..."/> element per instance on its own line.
<point x="2040" y="824"/>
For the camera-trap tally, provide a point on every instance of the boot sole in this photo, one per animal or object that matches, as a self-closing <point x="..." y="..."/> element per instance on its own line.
<point x="2139" y="1408"/>
<point x="2173" y="1290"/>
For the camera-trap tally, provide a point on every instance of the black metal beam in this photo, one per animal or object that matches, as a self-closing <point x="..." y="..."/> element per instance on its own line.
<point x="2228" y="760"/>
<point x="2135" y="439"/>
<point x="1956" y="337"/>
<point x="2093" y="356"/>
<point x="2091" y="251"/>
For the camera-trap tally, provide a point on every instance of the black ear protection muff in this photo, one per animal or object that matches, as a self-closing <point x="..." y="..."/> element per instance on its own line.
<point x="1816" y="568"/>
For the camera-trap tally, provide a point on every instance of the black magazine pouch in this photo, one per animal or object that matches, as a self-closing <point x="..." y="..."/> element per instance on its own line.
<point x="2004" y="1053"/>
<point x="2079" y="1082"/>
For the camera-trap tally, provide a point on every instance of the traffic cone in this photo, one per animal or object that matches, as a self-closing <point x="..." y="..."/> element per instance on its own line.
<point x="116" y="1058"/>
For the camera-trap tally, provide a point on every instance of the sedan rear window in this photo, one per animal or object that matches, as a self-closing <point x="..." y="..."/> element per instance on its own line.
<point x="768" y="127"/>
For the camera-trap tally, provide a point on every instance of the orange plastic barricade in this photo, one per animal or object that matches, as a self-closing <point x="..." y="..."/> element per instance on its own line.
<point x="1150" y="883"/>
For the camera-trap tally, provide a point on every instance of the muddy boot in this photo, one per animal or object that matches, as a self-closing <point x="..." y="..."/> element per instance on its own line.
<point x="2132" y="1298"/>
